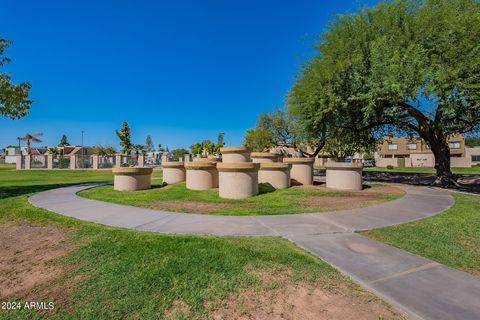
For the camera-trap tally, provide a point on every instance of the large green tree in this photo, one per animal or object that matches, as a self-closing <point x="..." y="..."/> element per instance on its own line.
<point x="402" y="67"/>
<point x="14" y="101"/>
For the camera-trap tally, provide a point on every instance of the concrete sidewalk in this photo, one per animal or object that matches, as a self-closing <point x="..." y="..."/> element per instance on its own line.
<point x="422" y="288"/>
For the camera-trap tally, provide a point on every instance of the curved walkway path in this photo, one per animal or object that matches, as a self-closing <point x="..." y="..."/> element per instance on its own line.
<point x="422" y="288"/>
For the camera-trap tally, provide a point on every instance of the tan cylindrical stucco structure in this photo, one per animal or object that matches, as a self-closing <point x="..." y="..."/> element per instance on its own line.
<point x="201" y="175"/>
<point x="173" y="172"/>
<point x="235" y="154"/>
<point x="276" y="174"/>
<point x="132" y="179"/>
<point x="237" y="180"/>
<point x="344" y="176"/>
<point x="262" y="157"/>
<point x="302" y="170"/>
<point x="209" y="159"/>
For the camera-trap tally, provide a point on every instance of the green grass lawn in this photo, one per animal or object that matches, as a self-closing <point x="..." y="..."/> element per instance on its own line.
<point x="131" y="274"/>
<point x="268" y="202"/>
<point x="451" y="238"/>
<point x="472" y="170"/>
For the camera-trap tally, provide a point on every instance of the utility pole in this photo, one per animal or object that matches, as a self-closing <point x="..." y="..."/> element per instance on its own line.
<point x="83" y="152"/>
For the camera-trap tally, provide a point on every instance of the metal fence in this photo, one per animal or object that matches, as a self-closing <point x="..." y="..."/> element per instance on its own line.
<point x="128" y="161"/>
<point x="38" y="162"/>
<point x="60" y="162"/>
<point x="106" y="162"/>
<point x="152" y="162"/>
<point x="84" y="162"/>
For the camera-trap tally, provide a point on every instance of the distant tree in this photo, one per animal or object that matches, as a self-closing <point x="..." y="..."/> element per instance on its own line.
<point x="220" y="139"/>
<point x="28" y="138"/>
<point x="53" y="151"/>
<point x="125" y="135"/>
<point x="177" y="153"/>
<point x="104" y="150"/>
<point x="402" y="67"/>
<point x="259" y="139"/>
<point x="472" y="141"/>
<point x="63" y="141"/>
<point x="196" y="148"/>
<point x="139" y="149"/>
<point x="284" y="129"/>
<point x="19" y="141"/>
<point x="14" y="102"/>
<point x="205" y="146"/>
<point x="160" y="148"/>
<point x="149" y="144"/>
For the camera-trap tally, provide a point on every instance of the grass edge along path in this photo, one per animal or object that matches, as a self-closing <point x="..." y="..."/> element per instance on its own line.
<point x="451" y="238"/>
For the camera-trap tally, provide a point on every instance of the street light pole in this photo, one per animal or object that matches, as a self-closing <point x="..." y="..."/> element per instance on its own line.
<point x="83" y="153"/>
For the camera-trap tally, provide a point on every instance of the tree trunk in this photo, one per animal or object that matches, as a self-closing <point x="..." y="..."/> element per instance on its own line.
<point x="441" y="152"/>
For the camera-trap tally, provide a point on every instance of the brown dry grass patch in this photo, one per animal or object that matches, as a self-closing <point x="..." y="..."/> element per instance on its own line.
<point x="352" y="199"/>
<point x="192" y="206"/>
<point x="28" y="268"/>
<point x="280" y="298"/>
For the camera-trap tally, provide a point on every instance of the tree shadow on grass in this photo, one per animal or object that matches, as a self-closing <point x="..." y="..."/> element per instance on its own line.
<point x="158" y="186"/>
<point x="15" y="191"/>
<point x="264" y="188"/>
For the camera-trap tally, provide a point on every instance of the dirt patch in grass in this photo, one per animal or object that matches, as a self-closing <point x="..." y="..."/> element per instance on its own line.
<point x="178" y="310"/>
<point x="192" y="206"/>
<point x="382" y="189"/>
<point x="341" y="202"/>
<point x="279" y="297"/>
<point x="27" y="264"/>
<point x="352" y="199"/>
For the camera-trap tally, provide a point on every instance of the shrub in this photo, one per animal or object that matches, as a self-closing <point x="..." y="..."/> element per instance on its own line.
<point x="390" y="167"/>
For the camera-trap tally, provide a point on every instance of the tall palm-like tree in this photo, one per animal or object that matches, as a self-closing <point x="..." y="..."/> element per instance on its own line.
<point x="28" y="138"/>
<point x="19" y="141"/>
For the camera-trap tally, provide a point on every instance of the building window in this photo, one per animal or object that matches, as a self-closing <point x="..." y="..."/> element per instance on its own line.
<point x="454" y="145"/>
<point x="392" y="147"/>
<point x="412" y="146"/>
<point x="476" y="158"/>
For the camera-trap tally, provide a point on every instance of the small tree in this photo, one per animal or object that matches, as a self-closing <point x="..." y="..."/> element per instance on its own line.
<point x="63" y="141"/>
<point x="220" y="139"/>
<point x="196" y="148"/>
<point x="14" y="102"/>
<point x="149" y="144"/>
<point x="177" y="153"/>
<point x="124" y="135"/>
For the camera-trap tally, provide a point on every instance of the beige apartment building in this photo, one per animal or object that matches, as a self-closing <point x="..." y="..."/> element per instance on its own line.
<point x="414" y="152"/>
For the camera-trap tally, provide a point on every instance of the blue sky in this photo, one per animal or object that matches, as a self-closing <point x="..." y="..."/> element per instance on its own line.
<point x="181" y="71"/>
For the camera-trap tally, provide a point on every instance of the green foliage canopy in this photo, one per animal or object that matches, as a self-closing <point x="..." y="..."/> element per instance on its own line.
<point x="177" y="153"/>
<point x="405" y="66"/>
<point x="14" y="102"/>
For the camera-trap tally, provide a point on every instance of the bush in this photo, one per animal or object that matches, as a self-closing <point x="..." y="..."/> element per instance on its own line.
<point x="63" y="163"/>
<point x="390" y="167"/>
